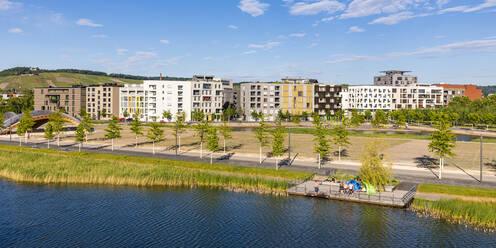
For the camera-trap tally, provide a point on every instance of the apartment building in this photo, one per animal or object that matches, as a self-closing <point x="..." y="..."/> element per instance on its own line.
<point x="417" y="96"/>
<point x="102" y="101"/>
<point x="391" y="98"/>
<point x="203" y="93"/>
<point x="327" y="98"/>
<point x="153" y="97"/>
<point x="454" y="90"/>
<point x="71" y="99"/>
<point x="260" y="97"/>
<point x="395" y="78"/>
<point x="295" y="96"/>
<point x="367" y="98"/>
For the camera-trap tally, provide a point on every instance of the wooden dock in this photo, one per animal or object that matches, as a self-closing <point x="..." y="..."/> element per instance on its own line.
<point x="395" y="198"/>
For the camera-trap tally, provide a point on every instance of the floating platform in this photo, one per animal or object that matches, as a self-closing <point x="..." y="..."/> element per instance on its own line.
<point x="395" y="198"/>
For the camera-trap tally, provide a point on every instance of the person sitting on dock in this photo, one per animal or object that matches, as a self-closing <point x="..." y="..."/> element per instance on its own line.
<point x="350" y="188"/>
<point x="316" y="188"/>
<point x="341" y="188"/>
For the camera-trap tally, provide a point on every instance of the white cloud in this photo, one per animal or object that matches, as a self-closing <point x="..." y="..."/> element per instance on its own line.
<point x="474" y="45"/>
<point x="453" y="9"/>
<point x="99" y="36"/>
<point x="249" y="52"/>
<point x="164" y="41"/>
<point x="356" y="29"/>
<point x="297" y="35"/>
<point x="441" y="3"/>
<point x="207" y="58"/>
<point x="122" y="51"/>
<point x="57" y="18"/>
<point x="140" y="56"/>
<point x="15" y="31"/>
<point x="167" y="62"/>
<point x="253" y="7"/>
<point x="326" y="19"/>
<point x="314" y="44"/>
<point x="312" y="8"/>
<point x="88" y="23"/>
<point x="486" y="4"/>
<point x="360" y="8"/>
<point x="6" y="4"/>
<point x="395" y="18"/>
<point x="351" y="58"/>
<point x="267" y="46"/>
<point x="232" y="26"/>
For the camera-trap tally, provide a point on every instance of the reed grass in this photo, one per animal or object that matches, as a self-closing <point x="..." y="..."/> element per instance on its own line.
<point x="481" y="215"/>
<point x="49" y="166"/>
<point x="456" y="190"/>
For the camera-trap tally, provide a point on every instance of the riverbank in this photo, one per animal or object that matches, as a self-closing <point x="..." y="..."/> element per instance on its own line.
<point x="21" y="164"/>
<point x="463" y="205"/>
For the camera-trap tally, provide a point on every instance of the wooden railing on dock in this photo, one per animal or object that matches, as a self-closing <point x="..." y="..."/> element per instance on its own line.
<point x="397" y="198"/>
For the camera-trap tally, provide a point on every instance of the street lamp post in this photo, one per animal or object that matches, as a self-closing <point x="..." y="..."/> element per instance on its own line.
<point x="289" y="143"/>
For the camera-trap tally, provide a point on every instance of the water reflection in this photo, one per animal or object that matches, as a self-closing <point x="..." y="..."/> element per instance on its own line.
<point x="47" y="216"/>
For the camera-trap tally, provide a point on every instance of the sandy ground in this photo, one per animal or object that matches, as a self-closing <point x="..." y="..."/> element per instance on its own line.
<point x="409" y="152"/>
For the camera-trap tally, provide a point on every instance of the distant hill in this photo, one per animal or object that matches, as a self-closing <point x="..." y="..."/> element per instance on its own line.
<point x="22" y="78"/>
<point x="486" y="90"/>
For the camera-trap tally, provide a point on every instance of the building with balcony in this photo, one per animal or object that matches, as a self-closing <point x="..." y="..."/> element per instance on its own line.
<point x="102" y="101"/>
<point x="327" y="98"/>
<point x="70" y="99"/>
<point x="395" y="78"/>
<point x="454" y="90"/>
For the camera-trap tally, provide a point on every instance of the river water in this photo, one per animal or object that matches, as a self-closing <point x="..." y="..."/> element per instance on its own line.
<point x="76" y="216"/>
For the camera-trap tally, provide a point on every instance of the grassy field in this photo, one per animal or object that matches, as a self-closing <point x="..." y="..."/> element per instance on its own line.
<point x="49" y="166"/>
<point x="29" y="81"/>
<point x="456" y="190"/>
<point x="481" y="215"/>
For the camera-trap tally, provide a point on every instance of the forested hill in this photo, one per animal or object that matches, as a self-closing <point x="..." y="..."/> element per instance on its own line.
<point x="486" y="90"/>
<point x="22" y="78"/>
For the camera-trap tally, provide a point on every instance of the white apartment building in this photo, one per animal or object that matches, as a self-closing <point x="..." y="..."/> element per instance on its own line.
<point x="153" y="97"/>
<point x="391" y="98"/>
<point x="367" y="98"/>
<point x="417" y="96"/>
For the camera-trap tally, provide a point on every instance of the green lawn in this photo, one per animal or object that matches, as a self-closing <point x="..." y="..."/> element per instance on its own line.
<point x="456" y="190"/>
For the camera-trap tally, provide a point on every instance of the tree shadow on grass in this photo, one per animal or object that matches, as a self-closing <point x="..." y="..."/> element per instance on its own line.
<point x="344" y="153"/>
<point x="491" y="165"/>
<point x="426" y="162"/>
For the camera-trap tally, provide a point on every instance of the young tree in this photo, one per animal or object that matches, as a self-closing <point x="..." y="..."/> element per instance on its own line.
<point x="321" y="146"/>
<point x="278" y="142"/>
<point x="179" y="127"/>
<point x="328" y="115"/>
<point x="212" y="142"/>
<point x="380" y="118"/>
<point x="304" y="116"/>
<point x="125" y="114"/>
<point x="155" y="133"/>
<point x="356" y="118"/>
<point x="225" y="131"/>
<point x="368" y="114"/>
<point x="167" y="115"/>
<point x="255" y="115"/>
<point x="136" y="126"/>
<point x="442" y="143"/>
<point x="201" y="128"/>
<point x="104" y="114"/>
<point x="87" y="124"/>
<point x="373" y="170"/>
<point x="340" y="115"/>
<point x="296" y="119"/>
<point x="113" y="130"/>
<point x="261" y="135"/>
<point x="49" y="135"/>
<point x="80" y="134"/>
<point x="341" y="137"/>
<point x="25" y="125"/>
<point x="57" y="124"/>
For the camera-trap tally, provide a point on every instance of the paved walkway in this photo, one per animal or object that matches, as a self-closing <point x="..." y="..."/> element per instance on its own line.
<point x="403" y="172"/>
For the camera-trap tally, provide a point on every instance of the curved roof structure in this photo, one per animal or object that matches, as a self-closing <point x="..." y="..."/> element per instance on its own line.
<point x="40" y="117"/>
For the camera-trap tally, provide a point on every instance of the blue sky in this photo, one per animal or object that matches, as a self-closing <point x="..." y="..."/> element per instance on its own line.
<point x="335" y="41"/>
